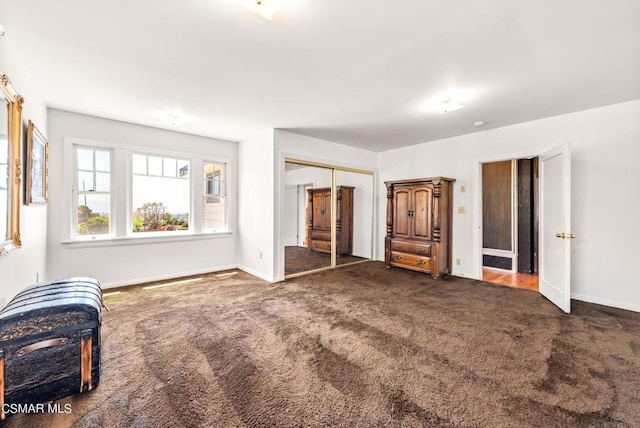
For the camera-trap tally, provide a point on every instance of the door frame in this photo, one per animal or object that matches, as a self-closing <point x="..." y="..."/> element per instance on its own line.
<point x="296" y="204"/>
<point x="513" y="253"/>
<point x="302" y="215"/>
<point x="477" y="201"/>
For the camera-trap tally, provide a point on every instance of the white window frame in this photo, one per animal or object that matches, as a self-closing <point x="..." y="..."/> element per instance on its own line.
<point x="130" y="174"/>
<point x="224" y="196"/>
<point x="121" y="195"/>
<point x="76" y="193"/>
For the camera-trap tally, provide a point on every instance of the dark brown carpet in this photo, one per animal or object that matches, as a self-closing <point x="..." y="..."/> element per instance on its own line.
<point x="358" y="346"/>
<point x="300" y="259"/>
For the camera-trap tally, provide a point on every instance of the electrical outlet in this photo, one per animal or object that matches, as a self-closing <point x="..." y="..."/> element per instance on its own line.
<point x="461" y="210"/>
<point x="457" y="262"/>
<point x="261" y="255"/>
<point x="463" y="188"/>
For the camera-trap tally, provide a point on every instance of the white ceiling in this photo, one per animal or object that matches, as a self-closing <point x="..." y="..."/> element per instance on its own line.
<point x="350" y="71"/>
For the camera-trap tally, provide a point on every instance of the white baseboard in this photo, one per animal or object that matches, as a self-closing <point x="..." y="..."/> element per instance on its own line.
<point x="165" y="277"/>
<point x="256" y="273"/>
<point x="606" y="302"/>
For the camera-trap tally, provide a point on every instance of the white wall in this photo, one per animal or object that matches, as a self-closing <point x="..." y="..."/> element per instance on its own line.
<point x="256" y="205"/>
<point x="296" y="146"/>
<point x="133" y="261"/>
<point x="363" y="211"/>
<point x="26" y="265"/>
<point x="605" y="146"/>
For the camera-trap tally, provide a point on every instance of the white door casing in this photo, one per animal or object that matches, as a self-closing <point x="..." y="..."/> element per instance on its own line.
<point x="555" y="226"/>
<point x="290" y="237"/>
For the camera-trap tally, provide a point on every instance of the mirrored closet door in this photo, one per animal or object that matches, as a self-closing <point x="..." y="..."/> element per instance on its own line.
<point x="328" y="217"/>
<point x="307" y="226"/>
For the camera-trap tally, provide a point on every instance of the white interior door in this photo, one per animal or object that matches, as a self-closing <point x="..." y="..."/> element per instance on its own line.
<point x="555" y="226"/>
<point x="302" y="213"/>
<point x="290" y="237"/>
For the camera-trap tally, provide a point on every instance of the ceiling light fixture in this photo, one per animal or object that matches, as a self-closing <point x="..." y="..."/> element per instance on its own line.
<point x="447" y="105"/>
<point x="448" y="101"/>
<point x="265" y="8"/>
<point x="172" y="118"/>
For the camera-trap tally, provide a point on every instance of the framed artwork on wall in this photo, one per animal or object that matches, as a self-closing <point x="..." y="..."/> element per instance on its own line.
<point x="37" y="166"/>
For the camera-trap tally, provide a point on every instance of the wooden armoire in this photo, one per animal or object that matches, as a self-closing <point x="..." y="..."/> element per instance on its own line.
<point x="419" y="217"/>
<point x="319" y="220"/>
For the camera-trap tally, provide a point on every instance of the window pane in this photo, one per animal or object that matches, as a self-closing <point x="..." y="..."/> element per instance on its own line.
<point x="214" y="179"/>
<point x="85" y="181"/>
<point x="93" y="214"/>
<point x="214" y="201"/>
<point x="103" y="161"/>
<point x="214" y="209"/>
<point x="155" y="165"/>
<point x="169" y="167"/>
<point x="85" y="159"/>
<point x="102" y="182"/>
<point x="183" y="168"/>
<point x="160" y="204"/>
<point x="139" y="164"/>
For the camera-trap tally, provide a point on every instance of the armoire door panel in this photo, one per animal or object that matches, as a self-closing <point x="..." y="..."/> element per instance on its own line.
<point x="421" y="213"/>
<point x="327" y="210"/>
<point x="401" y="225"/>
<point x="318" y="211"/>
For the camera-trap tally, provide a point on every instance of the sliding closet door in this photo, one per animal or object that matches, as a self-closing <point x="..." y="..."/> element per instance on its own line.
<point x="354" y="221"/>
<point x="307" y="229"/>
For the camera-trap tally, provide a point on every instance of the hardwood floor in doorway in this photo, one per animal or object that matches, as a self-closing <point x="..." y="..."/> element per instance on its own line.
<point x="516" y="280"/>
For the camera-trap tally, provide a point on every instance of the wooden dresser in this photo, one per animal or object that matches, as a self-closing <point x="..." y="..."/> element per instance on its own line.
<point x="419" y="217"/>
<point x="319" y="220"/>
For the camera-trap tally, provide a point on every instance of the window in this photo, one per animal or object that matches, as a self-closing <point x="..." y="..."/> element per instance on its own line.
<point x="92" y="192"/>
<point x="160" y="194"/>
<point x="118" y="193"/>
<point x="215" y="196"/>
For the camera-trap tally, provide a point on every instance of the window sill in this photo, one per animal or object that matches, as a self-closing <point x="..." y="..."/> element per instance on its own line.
<point x="143" y="240"/>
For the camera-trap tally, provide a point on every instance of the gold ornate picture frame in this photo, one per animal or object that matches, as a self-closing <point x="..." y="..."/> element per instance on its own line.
<point x="37" y="166"/>
<point x="10" y="184"/>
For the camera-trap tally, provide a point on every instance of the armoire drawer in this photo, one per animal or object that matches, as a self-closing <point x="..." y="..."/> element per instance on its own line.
<point x="321" y="245"/>
<point x="321" y="235"/>
<point x="411" y="261"/>
<point x="411" y="247"/>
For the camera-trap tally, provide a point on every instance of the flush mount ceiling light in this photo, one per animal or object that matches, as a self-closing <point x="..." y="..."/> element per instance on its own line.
<point x="447" y="105"/>
<point x="173" y="118"/>
<point x="265" y="8"/>
<point x="449" y="100"/>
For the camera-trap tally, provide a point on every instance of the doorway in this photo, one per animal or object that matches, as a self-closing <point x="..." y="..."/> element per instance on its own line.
<point x="510" y="201"/>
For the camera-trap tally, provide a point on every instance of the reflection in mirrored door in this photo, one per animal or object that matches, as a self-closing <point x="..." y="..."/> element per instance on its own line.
<point x="307" y="227"/>
<point x="354" y="220"/>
